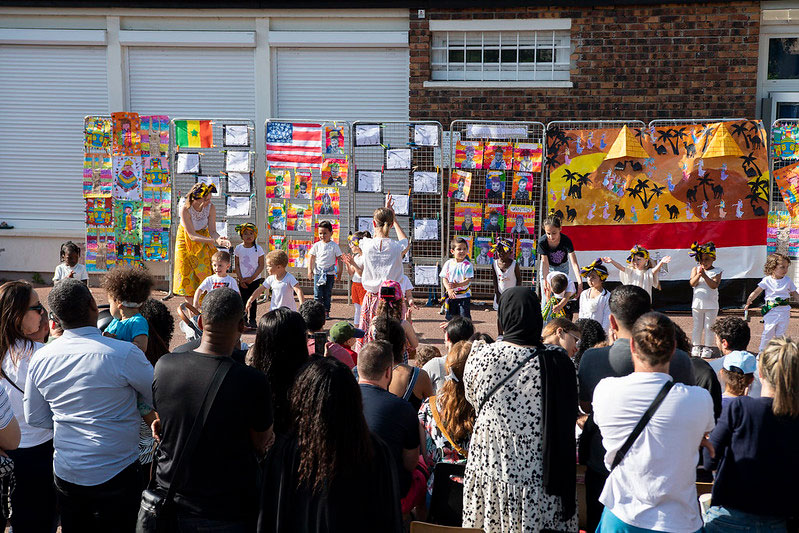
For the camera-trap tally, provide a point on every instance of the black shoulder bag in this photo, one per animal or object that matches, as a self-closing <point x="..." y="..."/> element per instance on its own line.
<point x="639" y="427"/>
<point x="154" y="515"/>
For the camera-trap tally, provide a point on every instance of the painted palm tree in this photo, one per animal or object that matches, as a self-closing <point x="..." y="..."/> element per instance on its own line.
<point x="706" y="181"/>
<point x="678" y="135"/>
<point x="667" y="136"/>
<point x="741" y="131"/>
<point x="558" y="139"/>
<point x="639" y="192"/>
<point x="749" y="164"/>
<point x="572" y="177"/>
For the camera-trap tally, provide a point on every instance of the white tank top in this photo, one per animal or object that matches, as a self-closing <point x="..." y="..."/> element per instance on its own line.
<point x="198" y="218"/>
<point x="505" y="279"/>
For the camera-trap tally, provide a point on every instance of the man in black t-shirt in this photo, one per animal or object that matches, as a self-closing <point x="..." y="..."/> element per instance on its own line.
<point x="220" y="485"/>
<point x="391" y="418"/>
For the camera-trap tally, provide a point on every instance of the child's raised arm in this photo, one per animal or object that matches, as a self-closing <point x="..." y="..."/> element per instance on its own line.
<point x="258" y="292"/>
<point x="751" y="298"/>
<point x="611" y="261"/>
<point x="662" y="262"/>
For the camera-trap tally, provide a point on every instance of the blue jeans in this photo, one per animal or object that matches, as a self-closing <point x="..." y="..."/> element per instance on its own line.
<point x="458" y="306"/>
<point x="721" y="519"/>
<point x="324" y="293"/>
<point x="610" y="523"/>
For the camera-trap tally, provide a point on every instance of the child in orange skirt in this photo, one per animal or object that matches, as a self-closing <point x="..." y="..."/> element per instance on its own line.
<point x="356" y="269"/>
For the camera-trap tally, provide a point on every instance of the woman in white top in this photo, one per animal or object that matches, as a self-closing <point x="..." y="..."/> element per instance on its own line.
<point x="33" y="500"/>
<point x="196" y="240"/>
<point x="382" y="261"/>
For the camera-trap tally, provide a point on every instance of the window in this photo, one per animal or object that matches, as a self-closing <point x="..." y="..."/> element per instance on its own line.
<point x="783" y="58"/>
<point x="531" y="55"/>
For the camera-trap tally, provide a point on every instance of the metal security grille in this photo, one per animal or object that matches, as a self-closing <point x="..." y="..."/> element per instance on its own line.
<point x="504" y="132"/>
<point x="371" y="162"/>
<point x="345" y="197"/>
<point x="212" y="165"/>
<point x="778" y="161"/>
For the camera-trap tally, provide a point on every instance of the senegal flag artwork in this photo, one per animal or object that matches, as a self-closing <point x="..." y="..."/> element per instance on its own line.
<point x="193" y="133"/>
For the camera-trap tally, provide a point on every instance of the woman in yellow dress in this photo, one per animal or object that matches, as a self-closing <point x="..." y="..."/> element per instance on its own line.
<point x="196" y="241"/>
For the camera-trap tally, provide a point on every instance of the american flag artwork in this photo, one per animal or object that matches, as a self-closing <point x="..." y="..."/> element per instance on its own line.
<point x="296" y="145"/>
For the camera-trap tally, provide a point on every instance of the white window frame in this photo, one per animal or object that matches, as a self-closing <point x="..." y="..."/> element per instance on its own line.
<point x="776" y="23"/>
<point x="547" y="34"/>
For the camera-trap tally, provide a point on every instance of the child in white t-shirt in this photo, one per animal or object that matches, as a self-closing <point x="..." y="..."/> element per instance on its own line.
<point x="282" y="284"/>
<point x="322" y="266"/>
<point x="457" y="274"/>
<point x="69" y="267"/>
<point x="705" y="279"/>
<point x="779" y="288"/>
<point x="355" y="269"/>
<point x="249" y="266"/>
<point x="220" y="263"/>
<point x="556" y="296"/>
<point x="641" y="273"/>
<point x="595" y="302"/>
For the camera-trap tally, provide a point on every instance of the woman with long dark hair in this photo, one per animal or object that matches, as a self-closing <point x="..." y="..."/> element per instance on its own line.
<point x="279" y="351"/>
<point x="33" y="501"/>
<point x="330" y="474"/>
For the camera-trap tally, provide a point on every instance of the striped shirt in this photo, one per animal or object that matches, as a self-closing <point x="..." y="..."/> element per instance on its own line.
<point x="6" y="414"/>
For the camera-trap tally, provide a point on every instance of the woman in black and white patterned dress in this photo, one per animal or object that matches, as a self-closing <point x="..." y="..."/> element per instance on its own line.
<point x="521" y="471"/>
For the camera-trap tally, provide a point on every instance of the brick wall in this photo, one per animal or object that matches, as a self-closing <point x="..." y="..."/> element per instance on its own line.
<point x="629" y="62"/>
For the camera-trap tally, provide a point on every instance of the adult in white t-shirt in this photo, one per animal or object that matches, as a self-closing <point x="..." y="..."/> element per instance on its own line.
<point x="654" y="485"/>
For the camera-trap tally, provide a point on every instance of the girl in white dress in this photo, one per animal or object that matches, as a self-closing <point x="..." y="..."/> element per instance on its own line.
<point x="594" y="301"/>
<point x="705" y="279"/>
<point x="640" y="270"/>
<point x="506" y="272"/>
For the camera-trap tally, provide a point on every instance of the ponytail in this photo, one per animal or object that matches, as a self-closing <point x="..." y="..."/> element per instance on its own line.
<point x="384" y="219"/>
<point x="779" y="367"/>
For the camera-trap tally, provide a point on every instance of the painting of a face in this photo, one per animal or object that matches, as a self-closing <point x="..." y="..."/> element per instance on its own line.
<point x="493" y="220"/>
<point x="467" y="217"/>
<point x="527" y="252"/>
<point x="495" y="185"/>
<point x="519" y="221"/>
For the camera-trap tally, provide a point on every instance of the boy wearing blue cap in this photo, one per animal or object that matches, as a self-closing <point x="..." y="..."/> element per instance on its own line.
<point x="737" y="374"/>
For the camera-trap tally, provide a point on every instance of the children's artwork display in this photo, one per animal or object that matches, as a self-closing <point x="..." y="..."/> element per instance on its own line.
<point x="303" y="188"/>
<point x="425" y="229"/>
<point x="527" y="157"/>
<point x="278" y="182"/>
<point x="494" y="221"/>
<point x="128" y="254"/>
<point x="277" y="215"/>
<point x="783" y="141"/>
<point x="460" y="183"/>
<point x="525" y="253"/>
<point x="425" y="134"/>
<point x="156" y="172"/>
<point x="778" y="232"/>
<point x="278" y="242"/>
<point x="154" y="135"/>
<point x="425" y="182"/>
<point x="100" y="249"/>
<point x="398" y="159"/>
<point x="334" y="140"/>
<point x="188" y="164"/>
<point x="498" y="156"/>
<point x="468" y="216"/>
<point x="239" y="182"/>
<point x="128" y="221"/>
<point x="334" y="172"/>
<point x="97" y="135"/>
<point x="299" y="217"/>
<point x="425" y="275"/>
<point x="216" y="181"/>
<point x="237" y="161"/>
<point x="238" y="206"/>
<point x="370" y="181"/>
<point x="520" y="219"/>
<point x="401" y="204"/>
<point x="367" y="135"/>
<point x="495" y="185"/>
<point x="99" y="212"/>
<point x="326" y="201"/>
<point x="126" y="134"/>
<point x="194" y="134"/>
<point x="482" y="249"/>
<point x="157" y="209"/>
<point x="522" y="189"/>
<point x="366" y="224"/>
<point x="97" y="178"/>
<point x="298" y="253"/>
<point x="787" y="179"/>
<point x="469" y="154"/>
<point x="155" y="245"/>
<point x="236" y="135"/>
<point x="127" y="177"/>
<point x="294" y="144"/>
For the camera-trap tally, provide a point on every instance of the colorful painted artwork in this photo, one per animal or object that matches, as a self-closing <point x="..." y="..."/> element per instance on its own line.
<point x="277" y="242"/>
<point x="498" y="156"/>
<point x="334" y="139"/>
<point x="157" y="209"/>
<point x="468" y="217"/>
<point x="99" y="212"/>
<point x="787" y="179"/>
<point x="97" y="132"/>
<point x="303" y="188"/>
<point x="527" y="157"/>
<point x="520" y="219"/>
<point x="128" y="255"/>
<point x="100" y="249"/>
<point x="298" y="253"/>
<point x="469" y="154"/>
<point x="154" y="136"/>
<point x="278" y="181"/>
<point x="326" y="201"/>
<point x="525" y="253"/>
<point x="126" y="134"/>
<point x="460" y="183"/>
<point x="482" y="247"/>
<point x="156" y="171"/>
<point x="334" y="172"/>
<point x="127" y="177"/>
<point x="97" y="177"/>
<point x="522" y="189"/>
<point x="494" y="221"/>
<point x="277" y="215"/>
<point x="128" y="221"/>
<point x="156" y="245"/>
<point x="495" y="185"/>
<point x="783" y="141"/>
<point x="299" y="217"/>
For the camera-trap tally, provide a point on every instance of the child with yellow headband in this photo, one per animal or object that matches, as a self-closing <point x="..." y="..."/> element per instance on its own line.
<point x="640" y="271"/>
<point x="355" y="269"/>
<point x="705" y="279"/>
<point x="249" y="266"/>
<point x="594" y="303"/>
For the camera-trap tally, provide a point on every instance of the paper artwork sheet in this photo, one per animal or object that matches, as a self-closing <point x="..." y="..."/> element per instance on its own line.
<point x="482" y="247"/>
<point x="365" y="224"/>
<point x="367" y="135"/>
<point x="127" y="177"/>
<point x="334" y="140"/>
<point x="278" y="182"/>
<point x="370" y="181"/>
<point x="277" y="242"/>
<point x="188" y="163"/>
<point x="100" y="249"/>
<point x="155" y="245"/>
<point x="425" y="181"/>
<point x="468" y="154"/>
<point x="236" y="135"/>
<point x="97" y="176"/>
<point x="787" y="179"/>
<point x="126" y="133"/>
<point x="494" y="218"/>
<point x="154" y="135"/>
<point x="498" y="156"/>
<point x="127" y="221"/>
<point x="99" y="212"/>
<point x="303" y="188"/>
<point x="216" y="181"/>
<point x="276" y="214"/>
<point x="522" y="188"/>
<point x="238" y="206"/>
<point x="298" y="253"/>
<point x="495" y="185"/>
<point x="525" y="252"/>
<point x="97" y="135"/>
<point x="425" y="134"/>
<point x="299" y="217"/>
<point x="156" y="171"/>
<point x="237" y="161"/>
<point x="334" y="172"/>
<point x="520" y="219"/>
<point x="425" y="229"/>
<point x="157" y="209"/>
<point x="527" y="157"/>
<point x="326" y="201"/>
<point x="221" y="229"/>
<point x="128" y="254"/>
<point x="398" y="159"/>
<point x="460" y="183"/>
<point x="401" y="204"/>
<point x="238" y="182"/>
<point x="468" y="216"/>
<point x="425" y="275"/>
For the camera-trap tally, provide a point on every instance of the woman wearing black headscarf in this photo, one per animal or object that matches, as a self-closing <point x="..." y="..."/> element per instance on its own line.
<point x="521" y="470"/>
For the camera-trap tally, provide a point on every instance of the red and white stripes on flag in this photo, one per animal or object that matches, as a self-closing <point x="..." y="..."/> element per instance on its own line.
<point x="296" y="145"/>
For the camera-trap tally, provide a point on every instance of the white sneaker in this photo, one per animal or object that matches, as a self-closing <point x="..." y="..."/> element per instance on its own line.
<point x="707" y="353"/>
<point x="696" y="351"/>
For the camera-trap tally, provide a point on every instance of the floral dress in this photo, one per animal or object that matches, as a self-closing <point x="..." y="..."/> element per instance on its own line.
<point x="436" y="448"/>
<point x="503" y="485"/>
